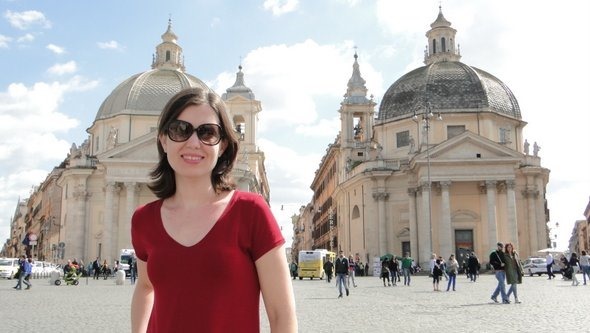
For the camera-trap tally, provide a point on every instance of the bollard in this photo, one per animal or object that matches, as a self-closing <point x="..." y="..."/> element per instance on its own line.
<point x="120" y="277"/>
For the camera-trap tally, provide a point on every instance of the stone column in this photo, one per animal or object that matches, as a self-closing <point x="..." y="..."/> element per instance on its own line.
<point x="413" y="222"/>
<point x="107" y="239"/>
<point x="78" y="247"/>
<point x="511" y="210"/>
<point x="531" y="194"/>
<point x="445" y="237"/>
<point x="491" y="205"/>
<point x="380" y="197"/>
<point x="132" y="189"/>
<point x="424" y="228"/>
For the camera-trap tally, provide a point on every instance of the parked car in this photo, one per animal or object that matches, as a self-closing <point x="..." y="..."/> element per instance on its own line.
<point x="534" y="265"/>
<point x="8" y="267"/>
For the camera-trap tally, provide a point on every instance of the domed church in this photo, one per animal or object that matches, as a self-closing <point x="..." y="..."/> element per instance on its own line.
<point x="105" y="179"/>
<point x="442" y="167"/>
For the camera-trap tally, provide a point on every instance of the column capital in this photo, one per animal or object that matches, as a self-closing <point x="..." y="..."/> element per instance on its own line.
<point x="511" y="184"/>
<point x="380" y="196"/>
<point x="445" y="185"/>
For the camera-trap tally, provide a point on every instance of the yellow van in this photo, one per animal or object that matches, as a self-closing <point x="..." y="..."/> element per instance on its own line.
<point x="311" y="263"/>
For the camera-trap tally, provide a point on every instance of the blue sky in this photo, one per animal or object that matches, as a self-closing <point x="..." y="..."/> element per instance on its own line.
<point x="60" y="61"/>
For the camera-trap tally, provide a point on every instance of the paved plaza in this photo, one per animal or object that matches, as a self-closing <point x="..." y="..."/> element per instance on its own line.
<point x="102" y="306"/>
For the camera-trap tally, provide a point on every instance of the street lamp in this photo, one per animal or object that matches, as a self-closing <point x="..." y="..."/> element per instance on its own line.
<point x="427" y="116"/>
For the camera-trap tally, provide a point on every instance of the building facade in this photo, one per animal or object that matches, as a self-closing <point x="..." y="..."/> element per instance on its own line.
<point x="83" y="210"/>
<point x="441" y="167"/>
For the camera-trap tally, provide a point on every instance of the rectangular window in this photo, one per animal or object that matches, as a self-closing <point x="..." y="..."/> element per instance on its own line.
<point x="463" y="245"/>
<point x="454" y="130"/>
<point x="505" y="136"/>
<point x="403" y="139"/>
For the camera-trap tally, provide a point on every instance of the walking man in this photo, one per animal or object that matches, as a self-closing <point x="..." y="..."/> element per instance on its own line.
<point x="328" y="269"/>
<point x="550" y="266"/>
<point x="406" y="268"/>
<point x="498" y="262"/>
<point x="341" y="267"/>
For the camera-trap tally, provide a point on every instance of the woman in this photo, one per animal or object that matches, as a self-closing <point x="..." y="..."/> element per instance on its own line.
<point x="514" y="271"/>
<point x="205" y="251"/>
<point x="452" y="269"/>
<point x="436" y="274"/>
<point x="574" y="262"/>
<point x="585" y="265"/>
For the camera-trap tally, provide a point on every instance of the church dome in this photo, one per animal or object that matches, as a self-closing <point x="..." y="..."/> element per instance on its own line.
<point x="445" y="84"/>
<point x="448" y="86"/>
<point x="146" y="93"/>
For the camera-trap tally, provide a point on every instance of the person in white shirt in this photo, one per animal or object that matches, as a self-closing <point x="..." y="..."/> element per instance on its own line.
<point x="550" y="266"/>
<point x="585" y="265"/>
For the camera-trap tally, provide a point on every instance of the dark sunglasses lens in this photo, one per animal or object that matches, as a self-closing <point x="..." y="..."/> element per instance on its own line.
<point x="209" y="134"/>
<point x="179" y="130"/>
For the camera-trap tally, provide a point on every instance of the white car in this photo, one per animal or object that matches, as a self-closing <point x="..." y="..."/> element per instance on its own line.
<point x="8" y="267"/>
<point x="538" y="266"/>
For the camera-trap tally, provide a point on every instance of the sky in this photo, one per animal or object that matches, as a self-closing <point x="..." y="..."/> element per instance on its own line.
<point x="60" y="61"/>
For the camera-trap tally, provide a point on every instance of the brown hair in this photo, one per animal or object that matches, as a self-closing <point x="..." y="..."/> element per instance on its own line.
<point x="164" y="182"/>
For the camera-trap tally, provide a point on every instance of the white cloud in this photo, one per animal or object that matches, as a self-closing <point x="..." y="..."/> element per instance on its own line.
<point x="26" y="38"/>
<point x="110" y="45"/>
<point x="291" y="80"/>
<point x="4" y="40"/>
<point x="215" y="22"/>
<point x="280" y="7"/>
<point x="56" y="49"/>
<point x="27" y="19"/>
<point x="62" y="69"/>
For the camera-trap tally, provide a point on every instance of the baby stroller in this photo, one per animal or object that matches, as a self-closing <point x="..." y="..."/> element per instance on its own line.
<point x="71" y="277"/>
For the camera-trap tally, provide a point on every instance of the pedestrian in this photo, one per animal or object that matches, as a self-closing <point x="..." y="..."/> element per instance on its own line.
<point x="549" y="259"/>
<point x="341" y="267"/>
<point x="105" y="270"/>
<point x="585" y="265"/>
<point x="514" y="271"/>
<point x="443" y="266"/>
<point x="328" y="269"/>
<point x="20" y="272"/>
<point x="28" y="270"/>
<point x="473" y="267"/>
<point x="96" y="268"/>
<point x="436" y="274"/>
<point x="293" y="269"/>
<point x="351" y="271"/>
<point x="393" y="270"/>
<point x="498" y="262"/>
<point x="223" y="245"/>
<point x="574" y="264"/>
<point x="385" y="272"/>
<point x="133" y="268"/>
<point x="406" y="268"/>
<point x="452" y="270"/>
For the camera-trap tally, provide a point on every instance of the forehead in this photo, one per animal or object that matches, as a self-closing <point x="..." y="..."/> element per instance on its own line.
<point x="199" y="114"/>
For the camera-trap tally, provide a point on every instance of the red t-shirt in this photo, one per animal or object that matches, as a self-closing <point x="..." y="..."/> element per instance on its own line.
<point x="211" y="286"/>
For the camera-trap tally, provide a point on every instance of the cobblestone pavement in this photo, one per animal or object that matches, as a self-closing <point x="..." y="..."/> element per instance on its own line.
<point x="100" y="305"/>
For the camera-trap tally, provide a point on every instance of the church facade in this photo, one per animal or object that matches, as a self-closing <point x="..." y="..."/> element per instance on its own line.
<point x="95" y="191"/>
<point x="441" y="167"/>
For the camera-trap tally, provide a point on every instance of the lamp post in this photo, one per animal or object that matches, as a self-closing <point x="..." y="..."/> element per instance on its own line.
<point x="426" y="117"/>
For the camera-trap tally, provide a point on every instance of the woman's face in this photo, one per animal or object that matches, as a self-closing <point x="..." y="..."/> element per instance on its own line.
<point x="192" y="158"/>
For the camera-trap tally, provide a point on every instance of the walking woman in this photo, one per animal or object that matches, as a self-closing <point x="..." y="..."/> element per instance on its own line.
<point x="452" y="269"/>
<point x="514" y="271"/>
<point x="574" y="264"/>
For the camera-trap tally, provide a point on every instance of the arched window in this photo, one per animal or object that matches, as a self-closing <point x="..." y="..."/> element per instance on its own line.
<point x="355" y="212"/>
<point x="443" y="45"/>
<point x="167" y="56"/>
<point x="433" y="46"/>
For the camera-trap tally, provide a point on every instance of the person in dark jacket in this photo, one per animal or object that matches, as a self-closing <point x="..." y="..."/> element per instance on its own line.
<point x="341" y="267"/>
<point x="329" y="269"/>
<point x="473" y="267"/>
<point x="574" y="264"/>
<point x="498" y="262"/>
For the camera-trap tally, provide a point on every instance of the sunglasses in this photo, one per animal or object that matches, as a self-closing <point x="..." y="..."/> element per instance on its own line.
<point x="180" y="131"/>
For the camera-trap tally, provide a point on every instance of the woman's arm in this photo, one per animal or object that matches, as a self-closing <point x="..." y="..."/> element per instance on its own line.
<point x="143" y="300"/>
<point x="277" y="291"/>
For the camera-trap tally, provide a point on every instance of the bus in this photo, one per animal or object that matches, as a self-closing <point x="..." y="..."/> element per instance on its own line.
<point x="311" y="263"/>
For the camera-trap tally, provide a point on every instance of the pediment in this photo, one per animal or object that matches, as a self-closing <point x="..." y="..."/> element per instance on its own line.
<point x="470" y="146"/>
<point x="141" y="149"/>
